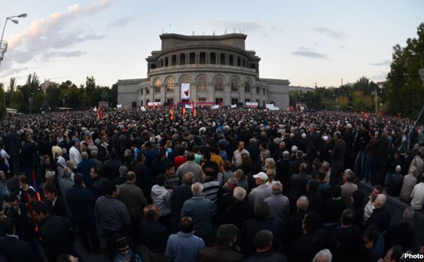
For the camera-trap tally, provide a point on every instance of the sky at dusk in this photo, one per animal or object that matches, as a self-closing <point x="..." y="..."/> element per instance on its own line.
<point x="306" y="42"/>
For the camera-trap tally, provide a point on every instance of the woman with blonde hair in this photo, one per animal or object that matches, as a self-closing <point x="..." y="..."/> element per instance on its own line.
<point x="271" y="176"/>
<point x="270" y="164"/>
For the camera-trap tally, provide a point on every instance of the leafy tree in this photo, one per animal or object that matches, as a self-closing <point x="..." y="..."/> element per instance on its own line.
<point x="38" y="102"/>
<point x="17" y="101"/>
<point x="361" y="102"/>
<point x="343" y="103"/>
<point x="52" y="95"/>
<point x="405" y="89"/>
<point x="3" y="111"/>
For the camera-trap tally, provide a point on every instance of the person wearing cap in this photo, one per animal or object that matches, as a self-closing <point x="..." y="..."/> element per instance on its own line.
<point x="262" y="191"/>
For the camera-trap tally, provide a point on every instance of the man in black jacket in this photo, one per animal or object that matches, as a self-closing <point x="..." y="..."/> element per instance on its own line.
<point x="12" y="248"/>
<point x="54" y="202"/>
<point x="112" y="166"/>
<point x="313" y="240"/>
<point x="381" y="158"/>
<point x="262" y="221"/>
<point x="179" y="195"/>
<point x="13" y="145"/>
<point x="380" y="216"/>
<point x="337" y="159"/>
<point x="153" y="235"/>
<point x="402" y="233"/>
<point x="240" y="210"/>
<point x="263" y="242"/>
<point x="349" y="236"/>
<point x="56" y="235"/>
<point x="81" y="203"/>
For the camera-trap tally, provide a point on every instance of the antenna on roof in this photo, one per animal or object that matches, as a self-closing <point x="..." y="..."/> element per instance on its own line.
<point x="193" y="32"/>
<point x="225" y="31"/>
<point x="213" y="33"/>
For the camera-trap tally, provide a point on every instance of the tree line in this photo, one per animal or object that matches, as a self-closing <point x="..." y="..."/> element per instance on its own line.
<point x="30" y="98"/>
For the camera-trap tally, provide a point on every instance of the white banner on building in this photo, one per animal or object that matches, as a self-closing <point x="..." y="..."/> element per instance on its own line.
<point x="154" y="103"/>
<point x="233" y="106"/>
<point x="252" y="104"/>
<point x="185" y="91"/>
<point x="270" y="106"/>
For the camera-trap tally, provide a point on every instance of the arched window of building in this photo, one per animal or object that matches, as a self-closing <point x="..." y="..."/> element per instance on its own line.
<point x="158" y="84"/>
<point x="147" y="90"/>
<point x="185" y="79"/>
<point x="202" y="84"/>
<point x="166" y="62"/>
<point x="170" y="85"/>
<point x="247" y="87"/>
<point x="234" y="85"/>
<point x="219" y="84"/>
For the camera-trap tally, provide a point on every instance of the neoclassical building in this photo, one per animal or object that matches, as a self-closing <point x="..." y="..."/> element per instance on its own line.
<point x="214" y="68"/>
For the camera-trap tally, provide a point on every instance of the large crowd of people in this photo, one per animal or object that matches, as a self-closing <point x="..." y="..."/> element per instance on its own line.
<point x="226" y="185"/>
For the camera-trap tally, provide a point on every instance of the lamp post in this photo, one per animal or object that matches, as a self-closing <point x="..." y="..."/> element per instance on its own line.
<point x="3" y="45"/>
<point x="31" y="98"/>
<point x="64" y="99"/>
<point x="376" y="100"/>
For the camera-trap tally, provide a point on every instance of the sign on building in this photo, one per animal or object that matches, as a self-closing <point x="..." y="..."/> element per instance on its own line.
<point x="252" y="104"/>
<point x="185" y="91"/>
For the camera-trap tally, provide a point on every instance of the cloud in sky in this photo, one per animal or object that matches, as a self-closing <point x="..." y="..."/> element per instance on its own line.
<point x="383" y="63"/>
<point x="121" y="22"/>
<point x="46" y="37"/>
<point x="381" y="76"/>
<point x="309" y="53"/>
<point x="248" y="27"/>
<point x="326" y="31"/>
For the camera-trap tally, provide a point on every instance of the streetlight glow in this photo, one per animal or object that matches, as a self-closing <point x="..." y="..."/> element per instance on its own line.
<point x="3" y="45"/>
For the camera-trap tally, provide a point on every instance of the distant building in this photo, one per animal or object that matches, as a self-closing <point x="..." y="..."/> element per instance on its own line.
<point x="46" y="84"/>
<point x="215" y="69"/>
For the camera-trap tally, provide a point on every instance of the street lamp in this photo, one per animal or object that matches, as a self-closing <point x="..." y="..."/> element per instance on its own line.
<point x="31" y="98"/>
<point x="3" y="44"/>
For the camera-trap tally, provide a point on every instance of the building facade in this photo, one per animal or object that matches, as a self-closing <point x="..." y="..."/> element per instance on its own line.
<point x="215" y="69"/>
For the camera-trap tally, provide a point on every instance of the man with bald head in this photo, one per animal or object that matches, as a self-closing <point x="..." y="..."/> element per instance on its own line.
<point x="240" y="210"/>
<point x="380" y="216"/>
<point x="153" y="234"/>
<point x="279" y="204"/>
<point x="199" y="208"/>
